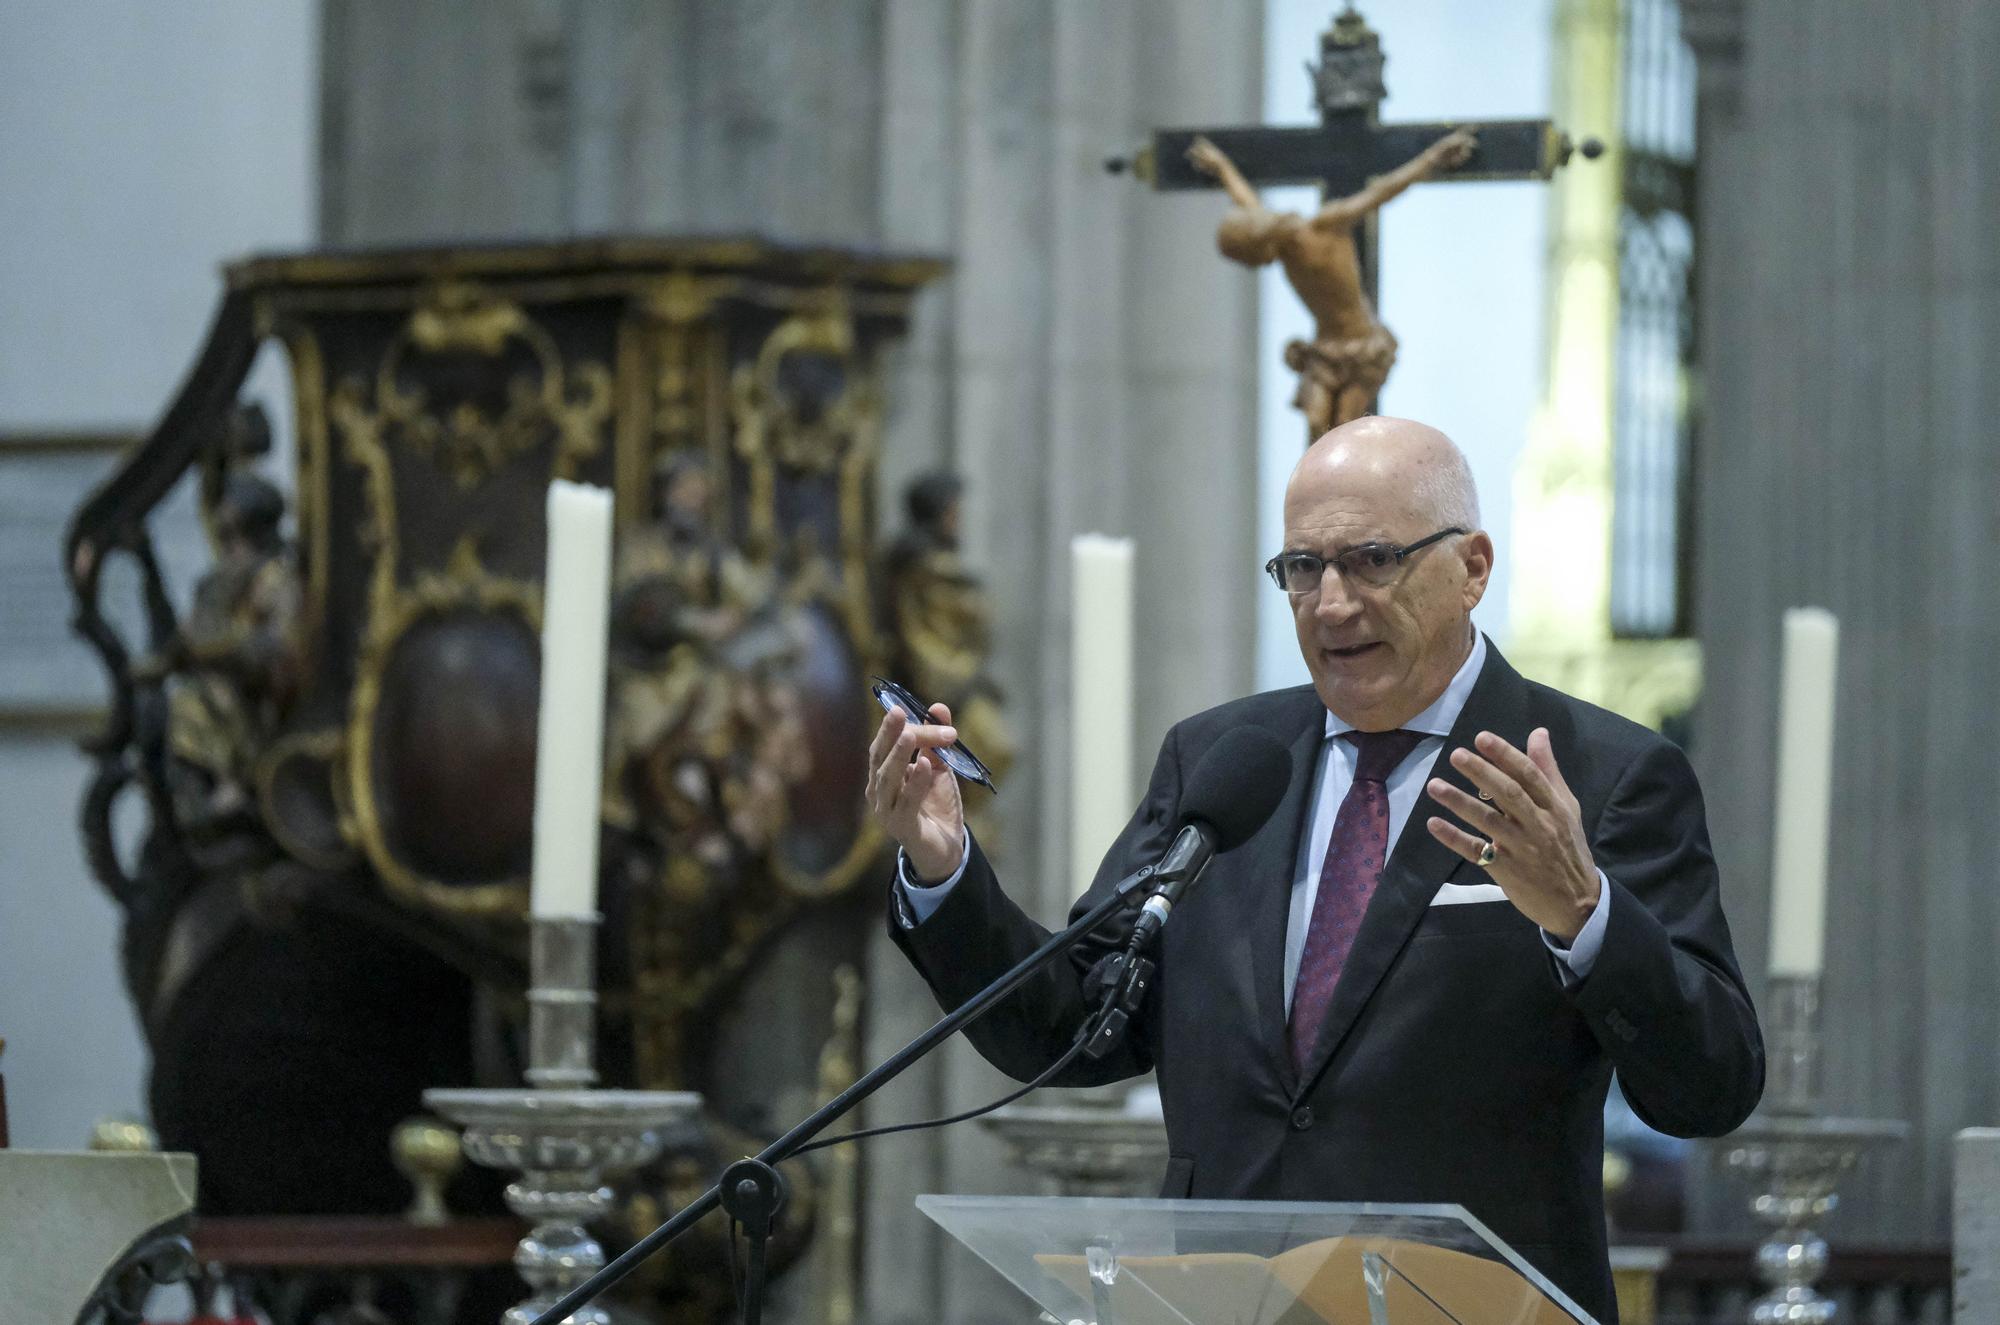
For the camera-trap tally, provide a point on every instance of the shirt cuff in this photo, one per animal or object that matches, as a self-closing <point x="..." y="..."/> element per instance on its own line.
<point x="1581" y="954"/>
<point x="917" y="902"/>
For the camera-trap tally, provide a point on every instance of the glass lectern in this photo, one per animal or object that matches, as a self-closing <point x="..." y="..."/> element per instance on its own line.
<point x="1252" y="1262"/>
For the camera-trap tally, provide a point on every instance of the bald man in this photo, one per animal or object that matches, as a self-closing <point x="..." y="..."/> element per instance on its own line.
<point x="1477" y="898"/>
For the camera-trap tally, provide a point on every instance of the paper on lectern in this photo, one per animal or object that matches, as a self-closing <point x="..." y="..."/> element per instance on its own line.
<point x="1319" y="1281"/>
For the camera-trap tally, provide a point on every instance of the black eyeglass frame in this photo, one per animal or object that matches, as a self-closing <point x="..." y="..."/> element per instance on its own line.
<point x="1275" y="566"/>
<point x="957" y="756"/>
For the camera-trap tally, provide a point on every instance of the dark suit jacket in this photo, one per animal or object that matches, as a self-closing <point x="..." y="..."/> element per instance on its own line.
<point x="1453" y="1066"/>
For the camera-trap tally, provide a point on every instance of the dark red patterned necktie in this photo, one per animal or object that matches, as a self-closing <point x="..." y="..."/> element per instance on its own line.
<point x="1355" y="854"/>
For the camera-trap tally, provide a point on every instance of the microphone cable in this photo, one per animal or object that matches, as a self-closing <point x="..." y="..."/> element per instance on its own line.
<point x="1091" y="1025"/>
<point x="735" y="1281"/>
<point x="1048" y="1073"/>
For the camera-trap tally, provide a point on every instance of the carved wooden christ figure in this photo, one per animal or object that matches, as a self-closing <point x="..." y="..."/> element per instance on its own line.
<point x="1348" y="359"/>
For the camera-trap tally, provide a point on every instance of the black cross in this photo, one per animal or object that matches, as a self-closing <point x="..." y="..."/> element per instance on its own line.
<point x="1350" y="145"/>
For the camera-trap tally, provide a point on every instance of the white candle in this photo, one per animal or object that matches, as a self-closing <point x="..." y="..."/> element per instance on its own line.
<point x="1100" y="761"/>
<point x="569" y="751"/>
<point x="1805" y="787"/>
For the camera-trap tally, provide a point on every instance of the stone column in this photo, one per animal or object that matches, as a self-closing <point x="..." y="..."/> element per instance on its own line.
<point x="1087" y="366"/>
<point x="1850" y="309"/>
<point x="1975" y="1226"/>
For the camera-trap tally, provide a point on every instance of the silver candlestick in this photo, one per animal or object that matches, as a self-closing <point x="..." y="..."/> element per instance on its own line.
<point x="1796" y="1158"/>
<point x="562" y="1136"/>
<point x="562" y="1001"/>
<point x="1792" y="1049"/>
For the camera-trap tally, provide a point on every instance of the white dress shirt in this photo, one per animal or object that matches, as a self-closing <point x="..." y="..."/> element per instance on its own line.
<point x="1335" y="774"/>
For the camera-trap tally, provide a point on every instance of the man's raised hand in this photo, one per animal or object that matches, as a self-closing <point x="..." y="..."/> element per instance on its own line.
<point x="913" y="796"/>
<point x="1541" y="855"/>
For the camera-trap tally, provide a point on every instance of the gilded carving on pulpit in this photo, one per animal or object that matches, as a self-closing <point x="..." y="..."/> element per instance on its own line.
<point x="807" y="409"/>
<point x="839" y="1247"/>
<point x="236" y="660"/>
<point x="451" y="417"/>
<point x="524" y="389"/>
<point x="794" y="402"/>
<point x="707" y="734"/>
<point x="1349" y="357"/>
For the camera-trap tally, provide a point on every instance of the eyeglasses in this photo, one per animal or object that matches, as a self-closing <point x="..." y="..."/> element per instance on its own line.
<point x="956" y="756"/>
<point x="1376" y="564"/>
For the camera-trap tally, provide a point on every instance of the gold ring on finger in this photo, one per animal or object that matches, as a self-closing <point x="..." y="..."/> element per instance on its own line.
<point x="1486" y="854"/>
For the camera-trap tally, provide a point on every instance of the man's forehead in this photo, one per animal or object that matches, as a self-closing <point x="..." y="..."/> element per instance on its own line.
<point x="1329" y="548"/>
<point x="1335" y="536"/>
<point x="1356" y="516"/>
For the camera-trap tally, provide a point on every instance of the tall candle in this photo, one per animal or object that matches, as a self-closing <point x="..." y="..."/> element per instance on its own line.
<point x="1100" y="690"/>
<point x="569" y="754"/>
<point x="1805" y="788"/>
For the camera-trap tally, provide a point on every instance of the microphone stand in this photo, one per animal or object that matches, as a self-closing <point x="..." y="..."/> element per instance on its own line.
<point x="752" y="1190"/>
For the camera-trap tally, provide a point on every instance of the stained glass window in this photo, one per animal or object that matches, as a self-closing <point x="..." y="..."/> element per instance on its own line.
<point x="1655" y="402"/>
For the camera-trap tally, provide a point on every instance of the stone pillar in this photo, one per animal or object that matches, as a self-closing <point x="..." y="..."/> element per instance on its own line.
<point x="1975" y="1226"/>
<point x="1850" y="306"/>
<point x="1087" y="366"/>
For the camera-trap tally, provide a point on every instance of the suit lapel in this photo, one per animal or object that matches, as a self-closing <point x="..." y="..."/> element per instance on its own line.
<point x="1418" y="863"/>
<point x="1270" y="859"/>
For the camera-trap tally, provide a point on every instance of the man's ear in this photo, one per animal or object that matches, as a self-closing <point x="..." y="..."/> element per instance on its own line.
<point x="1476" y="555"/>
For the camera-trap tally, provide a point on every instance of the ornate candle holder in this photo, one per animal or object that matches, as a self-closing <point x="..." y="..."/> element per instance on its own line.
<point x="562" y="1136"/>
<point x="1796" y="1158"/>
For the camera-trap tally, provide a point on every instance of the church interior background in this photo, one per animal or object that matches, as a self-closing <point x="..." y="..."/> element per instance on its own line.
<point x="1739" y="363"/>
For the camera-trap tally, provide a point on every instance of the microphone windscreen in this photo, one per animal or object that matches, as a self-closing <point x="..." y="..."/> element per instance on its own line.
<point x="1236" y="784"/>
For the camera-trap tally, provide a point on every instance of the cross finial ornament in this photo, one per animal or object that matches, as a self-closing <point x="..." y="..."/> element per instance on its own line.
<point x="1349" y="73"/>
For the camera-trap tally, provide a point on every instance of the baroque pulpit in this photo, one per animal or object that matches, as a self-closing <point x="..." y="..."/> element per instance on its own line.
<point x="332" y="746"/>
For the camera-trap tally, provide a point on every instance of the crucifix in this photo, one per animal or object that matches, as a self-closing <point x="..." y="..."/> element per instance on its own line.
<point x="1359" y="164"/>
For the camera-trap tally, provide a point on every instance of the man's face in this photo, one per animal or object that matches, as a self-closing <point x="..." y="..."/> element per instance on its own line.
<point x="1381" y="655"/>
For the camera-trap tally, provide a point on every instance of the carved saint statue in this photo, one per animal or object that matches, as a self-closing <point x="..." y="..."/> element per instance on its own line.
<point x="1351" y="352"/>
<point x="706" y="739"/>
<point x="236" y="658"/>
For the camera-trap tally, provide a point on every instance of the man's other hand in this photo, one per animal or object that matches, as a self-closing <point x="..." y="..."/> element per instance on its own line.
<point x="913" y="796"/>
<point x="1541" y="855"/>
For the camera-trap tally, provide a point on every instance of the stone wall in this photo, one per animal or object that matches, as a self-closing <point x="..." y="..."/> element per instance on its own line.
<point x="1850" y="305"/>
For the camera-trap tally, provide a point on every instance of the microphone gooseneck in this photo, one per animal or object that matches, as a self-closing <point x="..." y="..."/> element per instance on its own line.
<point x="1234" y="787"/>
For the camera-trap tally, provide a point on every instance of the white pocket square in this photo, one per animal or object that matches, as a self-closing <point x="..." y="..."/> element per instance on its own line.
<point x="1459" y="894"/>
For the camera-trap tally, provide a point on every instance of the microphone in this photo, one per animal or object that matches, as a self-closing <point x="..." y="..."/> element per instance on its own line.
<point x="1231" y="792"/>
<point x="1234" y="788"/>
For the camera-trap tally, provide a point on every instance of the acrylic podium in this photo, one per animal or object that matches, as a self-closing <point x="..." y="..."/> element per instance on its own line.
<point x="1110" y="1262"/>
